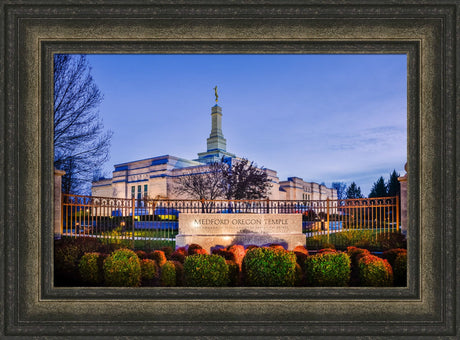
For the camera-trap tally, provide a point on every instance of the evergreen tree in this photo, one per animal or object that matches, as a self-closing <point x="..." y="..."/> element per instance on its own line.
<point x="393" y="184"/>
<point x="379" y="189"/>
<point x="354" y="191"/>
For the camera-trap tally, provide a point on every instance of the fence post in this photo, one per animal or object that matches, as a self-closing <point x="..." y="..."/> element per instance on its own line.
<point x="403" y="185"/>
<point x="58" y="206"/>
<point x="133" y="206"/>
<point x="327" y="218"/>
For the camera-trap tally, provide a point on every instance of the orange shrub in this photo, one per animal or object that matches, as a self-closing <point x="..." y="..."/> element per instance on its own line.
<point x="392" y="254"/>
<point x="159" y="256"/>
<point x="375" y="272"/>
<point x="238" y="252"/>
<point x="300" y="249"/>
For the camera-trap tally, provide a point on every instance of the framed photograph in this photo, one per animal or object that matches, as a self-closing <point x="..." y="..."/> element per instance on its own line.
<point x="35" y="31"/>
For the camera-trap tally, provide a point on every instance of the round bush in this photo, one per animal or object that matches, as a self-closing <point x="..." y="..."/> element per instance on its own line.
<point x="356" y="253"/>
<point x="167" y="250"/>
<point x="392" y="254"/>
<point x="330" y="269"/>
<point x="159" y="257"/>
<point x="141" y="254"/>
<point x="327" y="250"/>
<point x="182" y="250"/>
<point x="178" y="256"/>
<point x="122" y="269"/>
<point x="300" y="249"/>
<point x="375" y="272"/>
<point x="149" y="272"/>
<point x="265" y="267"/>
<point x="400" y="270"/>
<point x="238" y="252"/>
<point x="90" y="267"/>
<point x="203" y="270"/>
<point x="191" y="250"/>
<point x="168" y="274"/>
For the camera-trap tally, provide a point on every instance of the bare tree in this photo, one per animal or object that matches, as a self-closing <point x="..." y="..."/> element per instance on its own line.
<point x="80" y="144"/>
<point x="341" y="188"/>
<point x="201" y="183"/>
<point x="237" y="180"/>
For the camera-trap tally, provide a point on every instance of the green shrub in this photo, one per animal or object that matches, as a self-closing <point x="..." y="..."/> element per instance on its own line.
<point x="66" y="258"/>
<point x="122" y="269"/>
<point x="328" y="269"/>
<point x="392" y="254"/>
<point x="67" y="254"/>
<point x="266" y="267"/>
<point x="149" y="272"/>
<point x="90" y="267"/>
<point x="168" y="274"/>
<point x="203" y="270"/>
<point x="375" y="272"/>
<point x="400" y="270"/>
<point x="159" y="256"/>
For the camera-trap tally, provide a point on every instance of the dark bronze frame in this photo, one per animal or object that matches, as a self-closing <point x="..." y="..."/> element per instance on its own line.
<point x="33" y="30"/>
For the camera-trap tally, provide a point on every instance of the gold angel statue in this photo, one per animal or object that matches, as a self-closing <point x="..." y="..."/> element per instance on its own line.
<point x="215" y="92"/>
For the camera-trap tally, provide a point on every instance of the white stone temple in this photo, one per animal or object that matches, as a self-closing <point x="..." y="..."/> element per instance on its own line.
<point x="154" y="177"/>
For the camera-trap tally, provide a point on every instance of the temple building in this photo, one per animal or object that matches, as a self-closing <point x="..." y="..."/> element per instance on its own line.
<point x="154" y="177"/>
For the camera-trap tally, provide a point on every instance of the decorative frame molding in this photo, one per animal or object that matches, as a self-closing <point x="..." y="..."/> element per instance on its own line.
<point x="33" y="30"/>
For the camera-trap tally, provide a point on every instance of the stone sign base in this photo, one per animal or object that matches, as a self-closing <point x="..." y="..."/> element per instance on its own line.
<point x="214" y="230"/>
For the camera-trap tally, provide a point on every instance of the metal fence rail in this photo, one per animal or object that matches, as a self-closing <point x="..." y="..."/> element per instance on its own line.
<point x="154" y="222"/>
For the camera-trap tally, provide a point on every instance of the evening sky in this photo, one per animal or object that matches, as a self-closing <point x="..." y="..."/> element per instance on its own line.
<point x="323" y="118"/>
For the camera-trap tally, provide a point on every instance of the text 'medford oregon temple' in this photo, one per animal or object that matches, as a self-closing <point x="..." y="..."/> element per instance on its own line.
<point x="154" y="177"/>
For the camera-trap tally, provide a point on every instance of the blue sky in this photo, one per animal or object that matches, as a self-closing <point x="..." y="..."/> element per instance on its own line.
<point x="323" y="118"/>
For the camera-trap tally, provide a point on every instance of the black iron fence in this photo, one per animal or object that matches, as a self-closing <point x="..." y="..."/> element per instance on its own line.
<point x="150" y="223"/>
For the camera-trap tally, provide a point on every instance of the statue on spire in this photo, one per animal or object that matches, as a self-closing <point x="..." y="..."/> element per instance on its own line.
<point x="215" y="92"/>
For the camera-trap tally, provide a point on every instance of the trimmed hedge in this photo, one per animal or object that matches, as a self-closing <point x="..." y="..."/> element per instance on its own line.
<point x="168" y="274"/>
<point x="330" y="269"/>
<point x="265" y="267"/>
<point x="202" y="270"/>
<point x="375" y="272"/>
<point x="91" y="268"/>
<point x="122" y="269"/>
<point x="149" y="272"/>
